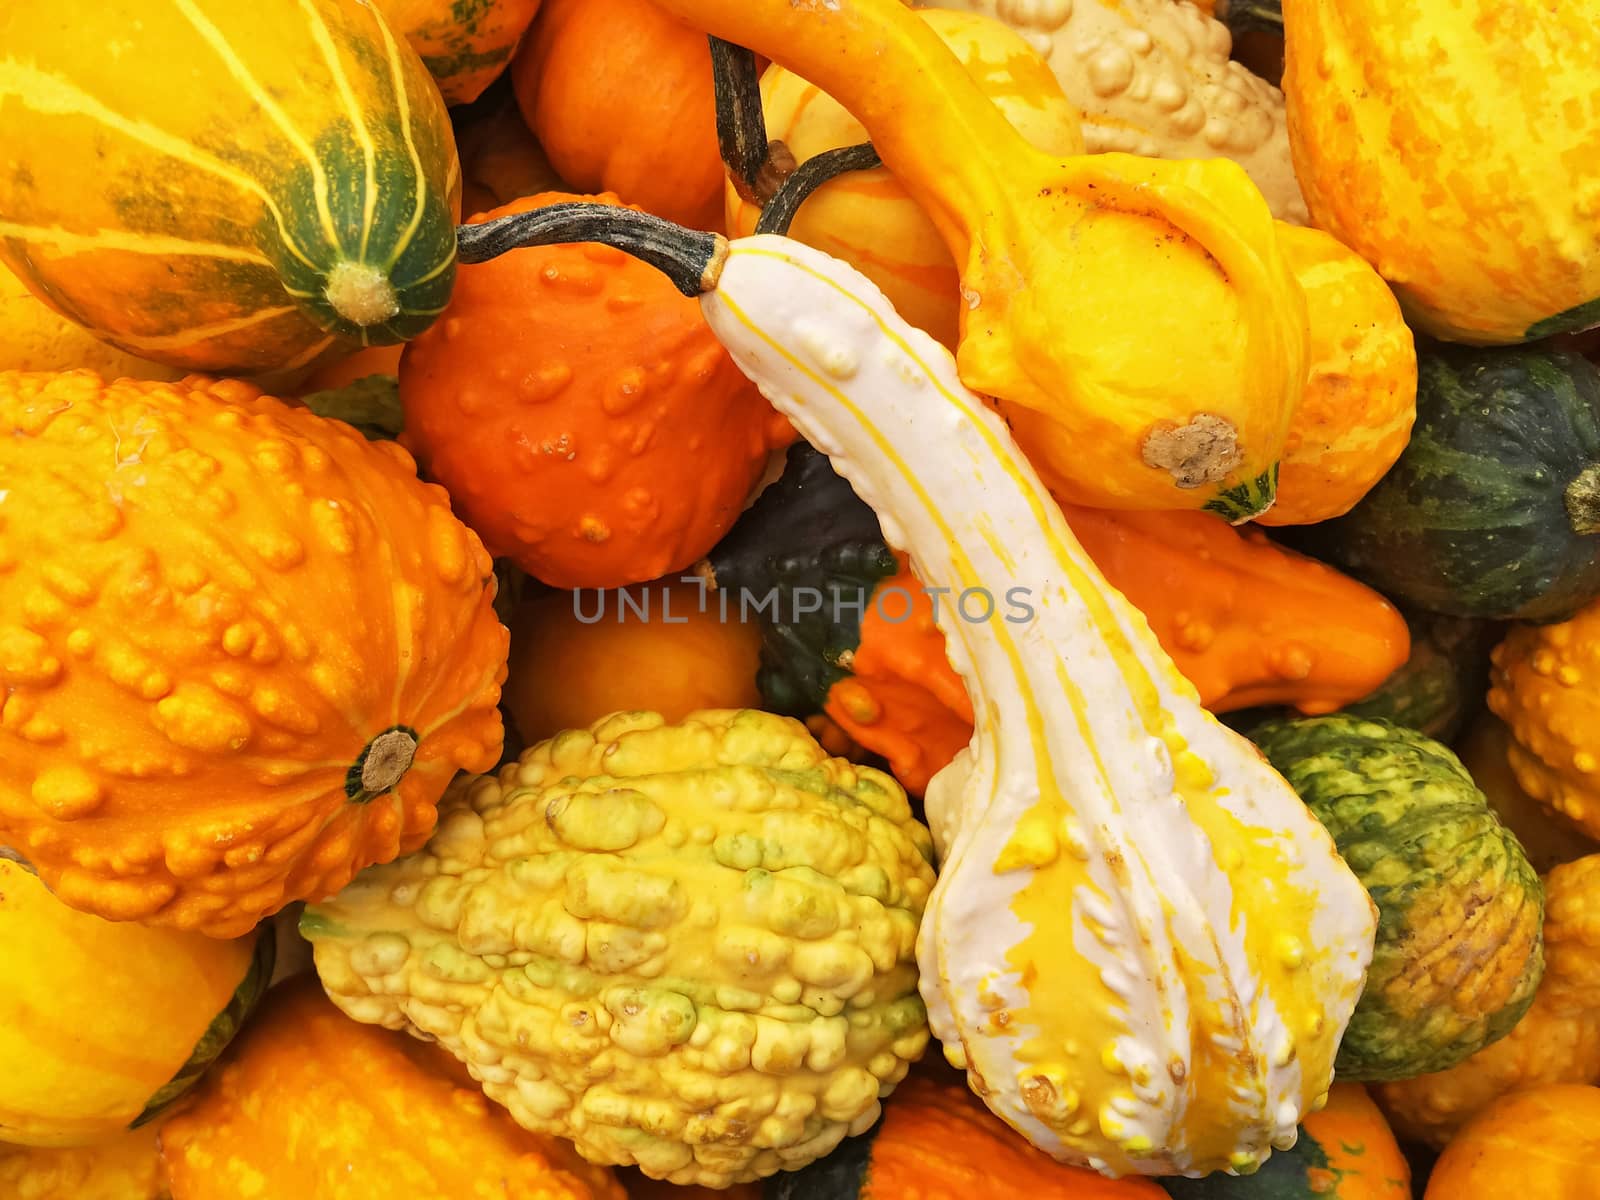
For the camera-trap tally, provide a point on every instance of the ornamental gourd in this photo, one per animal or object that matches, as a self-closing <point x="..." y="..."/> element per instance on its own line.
<point x="127" y="1167"/>
<point x="104" y="1024"/>
<point x="34" y="337"/>
<point x="689" y="947"/>
<point x="1407" y="119"/>
<point x="1491" y="1157"/>
<point x="271" y="180"/>
<point x="242" y="649"/>
<point x="312" y="1106"/>
<point x="1547" y="837"/>
<point x="1072" y="268"/>
<point x="1153" y="77"/>
<point x="465" y="46"/>
<point x="1441" y="685"/>
<point x="1127" y="889"/>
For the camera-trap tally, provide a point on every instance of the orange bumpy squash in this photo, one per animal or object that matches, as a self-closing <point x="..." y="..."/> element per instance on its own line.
<point x="242" y="649"/>
<point x="314" y="1106"/>
<point x="1544" y="1142"/>
<point x="128" y="1167"/>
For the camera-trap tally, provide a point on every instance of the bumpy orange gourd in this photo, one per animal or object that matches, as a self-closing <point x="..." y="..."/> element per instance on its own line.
<point x="620" y="96"/>
<point x="1246" y="621"/>
<point x="865" y="217"/>
<point x="578" y="656"/>
<point x="127" y="1167"/>
<point x="464" y="44"/>
<point x="314" y="1106"/>
<point x="242" y="649"/>
<point x="1544" y="1142"/>
<point x="1557" y="1040"/>
<point x="1547" y="837"/>
<point x="1545" y="685"/>
<point x="585" y="420"/>
<point x="1360" y="401"/>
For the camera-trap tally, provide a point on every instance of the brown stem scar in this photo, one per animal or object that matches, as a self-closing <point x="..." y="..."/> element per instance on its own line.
<point x="1206" y="450"/>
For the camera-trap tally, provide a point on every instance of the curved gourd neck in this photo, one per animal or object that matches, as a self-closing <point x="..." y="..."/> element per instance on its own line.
<point x="932" y="125"/>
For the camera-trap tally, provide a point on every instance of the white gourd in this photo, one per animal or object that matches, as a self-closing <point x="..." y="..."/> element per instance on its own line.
<point x="1142" y="947"/>
<point x="1153" y="77"/>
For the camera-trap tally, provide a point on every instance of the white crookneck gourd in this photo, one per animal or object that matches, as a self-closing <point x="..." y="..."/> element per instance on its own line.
<point x="1142" y="947"/>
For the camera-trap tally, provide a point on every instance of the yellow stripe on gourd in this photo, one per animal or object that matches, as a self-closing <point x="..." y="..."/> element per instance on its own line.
<point x="358" y="122"/>
<point x="402" y="98"/>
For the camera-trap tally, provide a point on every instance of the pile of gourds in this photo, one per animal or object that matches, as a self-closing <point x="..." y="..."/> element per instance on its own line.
<point x="700" y="557"/>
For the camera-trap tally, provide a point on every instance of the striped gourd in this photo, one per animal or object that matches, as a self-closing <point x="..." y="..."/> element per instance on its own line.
<point x="223" y="186"/>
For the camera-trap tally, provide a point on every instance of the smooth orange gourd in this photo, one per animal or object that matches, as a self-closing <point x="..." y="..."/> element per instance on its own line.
<point x="242" y="649"/>
<point x="1544" y="1143"/>
<point x="314" y="1106"/>
<point x="585" y="420"/>
<point x="619" y="93"/>
<point x="576" y="657"/>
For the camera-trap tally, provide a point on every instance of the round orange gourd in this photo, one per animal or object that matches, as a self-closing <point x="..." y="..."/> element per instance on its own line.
<point x="104" y="1023"/>
<point x="464" y="45"/>
<point x="585" y="420"/>
<point x="242" y="649"/>
<point x="128" y="1167"/>
<point x="1543" y="1142"/>
<point x="1360" y="401"/>
<point x="620" y="97"/>
<point x="865" y="217"/>
<point x="314" y="1106"/>
<point x="577" y="656"/>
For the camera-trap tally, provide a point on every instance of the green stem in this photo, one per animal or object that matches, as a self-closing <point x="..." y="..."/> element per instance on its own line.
<point x="1583" y="501"/>
<point x="780" y="211"/>
<point x="691" y="259"/>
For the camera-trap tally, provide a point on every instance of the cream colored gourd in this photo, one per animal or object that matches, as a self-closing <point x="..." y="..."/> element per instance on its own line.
<point x="1142" y="948"/>
<point x="1154" y="77"/>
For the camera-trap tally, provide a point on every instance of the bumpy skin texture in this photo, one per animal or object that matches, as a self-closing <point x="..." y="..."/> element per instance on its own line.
<point x="688" y="947"/>
<point x="1548" y="838"/>
<point x="620" y="95"/>
<point x="1360" y="400"/>
<point x="584" y="418"/>
<point x="1409" y="120"/>
<point x="1153" y="77"/>
<point x="1491" y="1157"/>
<point x="312" y="1105"/>
<point x="128" y="1167"/>
<point x="1459" y="953"/>
<point x="304" y="136"/>
<point x="464" y="44"/>
<point x="1546" y="686"/>
<point x="865" y="218"/>
<point x="211" y="604"/>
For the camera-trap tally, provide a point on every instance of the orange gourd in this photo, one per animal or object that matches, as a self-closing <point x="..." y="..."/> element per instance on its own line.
<point x="314" y="1106"/>
<point x="578" y="656"/>
<point x="620" y="96"/>
<point x="465" y="44"/>
<point x="1543" y="1142"/>
<point x="586" y="421"/>
<point x="242" y="649"/>
<point x="501" y="160"/>
<point x="128" y="1167"/>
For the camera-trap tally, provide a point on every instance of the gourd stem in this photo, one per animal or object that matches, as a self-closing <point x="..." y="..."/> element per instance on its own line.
<point x="1583" y="501"/>
<point x="1251" y="16"/>
<point x="780" y="211"/>
<point x="758" y="167"/>
<point x="691" y="259"/>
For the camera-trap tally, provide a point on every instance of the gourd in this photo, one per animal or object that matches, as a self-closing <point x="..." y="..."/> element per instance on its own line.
<point x="1493" y="509"/>
<point x="311" y="1106"/>
<point x="1267" y="626"/>
<point x="104" y="1024"/>
<point x="687" y="947"/>
<point x="1460" y="947"/>
<point x="866" y="218"/>
<point x="1491" y="1156"/>
<point x="619" y="93"/>
<point x="186" y="738"/>
<point x="1546" y="837"/>
<point x="936" y="1141"/>
<point x="1545" y="685"/>
<point x="1346" y="1151"/>
<point x="666" y="648"/>
<point x="1360" y="400"/>
<point x="128" y="1167"/>
<point x="1122" y="252"/>
<point x="1441" y="685"/>
<point x="464" y="46"/>
<point x="1153" y="77"/>
<point x="34" y="337"/>
<point x="1053" y="920"/>
<point x="594" y="450"/>
<point x="1406" y="120"/>
<point x="289" y="192"/>
<point x="501" y="160"/>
